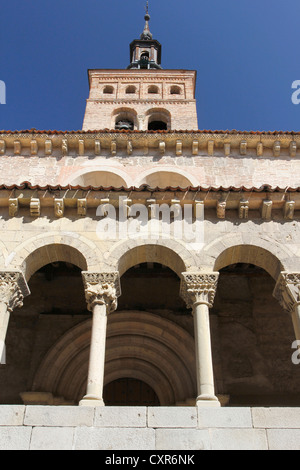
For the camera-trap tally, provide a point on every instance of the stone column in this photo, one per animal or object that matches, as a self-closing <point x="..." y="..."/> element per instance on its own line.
<point x="287" y="292"/>
<point x="101" y="292"/>
<point x="198" y="290"/>
<point x="13" y="289"/>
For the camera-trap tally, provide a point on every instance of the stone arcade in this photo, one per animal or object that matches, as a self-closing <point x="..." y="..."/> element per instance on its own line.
<point x="148" y="343"/>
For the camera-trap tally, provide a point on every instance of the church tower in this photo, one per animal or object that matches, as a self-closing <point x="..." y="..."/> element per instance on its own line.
<point x="144" y="96"/>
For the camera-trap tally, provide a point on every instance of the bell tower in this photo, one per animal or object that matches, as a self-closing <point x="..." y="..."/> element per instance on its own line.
<point x="145" y="53"/>
<point x="144" y="96"/>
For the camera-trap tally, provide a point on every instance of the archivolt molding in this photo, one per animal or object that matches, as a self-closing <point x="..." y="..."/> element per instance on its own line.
<point x="139" y="345"/>
<point x="44" y="249"/>
<point x="79" y="177"/>
<point x="167" y="170"/>
<point x="243" y="248"/>
<point x="171" y="253"/>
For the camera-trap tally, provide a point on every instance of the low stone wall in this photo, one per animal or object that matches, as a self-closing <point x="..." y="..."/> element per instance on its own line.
<point x="152" y="428"/>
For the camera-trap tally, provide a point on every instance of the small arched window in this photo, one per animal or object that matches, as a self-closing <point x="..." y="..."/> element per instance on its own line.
<point x="153" y="89"/>
<point x="144" y="60"/>
<point x="108" y="90"/>
<point x="130" y="89"/>
<point x="175" y="90"/>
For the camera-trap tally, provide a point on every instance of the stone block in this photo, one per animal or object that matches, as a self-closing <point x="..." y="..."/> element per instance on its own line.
<point x="92" y="438"/>
<point x="238" y="439"/>
<point x="172" y="417"/>
<point x="182" y="439"/>
<point x="224" y="418"/>
<point x="58" y="416"/>
<point x="276" y="417"/>
<point x="12" y="415"/>
<point x="283" y="439"/>
<point x="15" y="437"/>
<point x="121" y="416"/>
<point x="44" y="438"/>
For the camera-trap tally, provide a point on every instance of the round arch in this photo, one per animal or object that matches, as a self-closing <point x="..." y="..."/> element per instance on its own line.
<point x="104" y="178"/>
<point x="130" y="253"/>
<point x="127" y="114"/>
<point x="139" y="345"/>
<point x="167" y="176"/>
<point x="251" y="254"/>
<point x="35" y="253"/>
<point x="158" y="115"/>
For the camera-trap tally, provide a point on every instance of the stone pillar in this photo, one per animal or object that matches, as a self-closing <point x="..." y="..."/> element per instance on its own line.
<point x="198" y="290"/>
<point x="101" y="292"/>
<point x="13" y="289"/>
<point x="287" y="292"/>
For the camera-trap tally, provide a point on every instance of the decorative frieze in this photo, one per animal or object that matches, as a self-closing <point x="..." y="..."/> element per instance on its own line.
<point x="198" y="288"/>
<point x="102" y="288"/>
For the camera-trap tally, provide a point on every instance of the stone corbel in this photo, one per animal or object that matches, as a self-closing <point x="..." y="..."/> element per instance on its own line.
<point x="35" y="207"/>
<point x="243" y="209"/>
<point x="13" y="206"/>
<point x="59" y="207"/>
<point x="289" y="208"/>
<point x="198" y="288"/>
<point x="81" y="207"/>
<point x="102" y="288"/>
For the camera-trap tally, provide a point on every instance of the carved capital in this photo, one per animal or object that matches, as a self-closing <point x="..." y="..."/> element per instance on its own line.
<point x="199" y="288"/>
<point x="102" y="288"/>
<point x="287" y="290"/>
<point x="13" y="289"/>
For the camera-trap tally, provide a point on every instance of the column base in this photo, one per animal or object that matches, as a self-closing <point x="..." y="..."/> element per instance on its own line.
<point x="91" y="400"/>
<point x="207" y="401"/>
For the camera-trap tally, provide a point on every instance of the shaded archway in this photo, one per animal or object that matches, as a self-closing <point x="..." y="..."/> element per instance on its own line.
<point x="252" y="337"/>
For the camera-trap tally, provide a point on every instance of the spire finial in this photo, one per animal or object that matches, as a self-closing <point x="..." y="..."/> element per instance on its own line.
<point x="146" y="33"/>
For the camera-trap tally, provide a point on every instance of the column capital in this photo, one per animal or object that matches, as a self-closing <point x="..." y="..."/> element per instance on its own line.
<point x="13" y="289"/>
<point x="287" y="290"/>
<point x="199" y="288"/>
<point x="102" y="288"/>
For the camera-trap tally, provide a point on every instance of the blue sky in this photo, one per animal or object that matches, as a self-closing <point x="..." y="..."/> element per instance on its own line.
<point x="246" y="54"/>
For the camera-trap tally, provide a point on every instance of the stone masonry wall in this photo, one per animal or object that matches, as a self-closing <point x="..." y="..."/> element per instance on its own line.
<point x="154" y="429"/>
